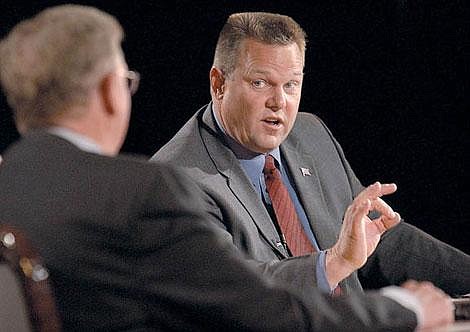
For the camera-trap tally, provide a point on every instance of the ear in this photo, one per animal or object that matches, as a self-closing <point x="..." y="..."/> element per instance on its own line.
<point x="217" y="81"/>
<point x="107" y="91"/>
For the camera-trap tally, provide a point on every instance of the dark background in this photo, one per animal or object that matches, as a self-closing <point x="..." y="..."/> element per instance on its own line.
<point x="390" y="78"/>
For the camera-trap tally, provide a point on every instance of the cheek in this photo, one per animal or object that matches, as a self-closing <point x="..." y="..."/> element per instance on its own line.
<point x="250" y="121"/>
<point x="290" y="123"/>
<point x="291" y="116"/>
<point x="292" y="110"/>
<point x="252" y="106"/>
<point x="246" y="116"/>
<point x="240" y="115"/>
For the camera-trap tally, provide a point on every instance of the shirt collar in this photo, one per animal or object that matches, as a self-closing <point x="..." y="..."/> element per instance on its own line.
<point x="80" y="141"/>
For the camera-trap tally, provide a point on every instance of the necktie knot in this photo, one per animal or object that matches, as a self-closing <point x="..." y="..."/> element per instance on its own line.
<point x="269" y="166"/>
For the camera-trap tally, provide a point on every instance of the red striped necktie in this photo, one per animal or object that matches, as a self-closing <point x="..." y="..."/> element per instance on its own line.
<point x="287" y="218"/>
<point x="284" y="209"/>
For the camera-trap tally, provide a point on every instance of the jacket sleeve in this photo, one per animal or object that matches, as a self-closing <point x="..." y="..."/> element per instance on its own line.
<point x="405" y="252"/>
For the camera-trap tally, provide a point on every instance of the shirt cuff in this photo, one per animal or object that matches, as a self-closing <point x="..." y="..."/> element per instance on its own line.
<point x="406" y="299"/>
<point x="322" y="281"/>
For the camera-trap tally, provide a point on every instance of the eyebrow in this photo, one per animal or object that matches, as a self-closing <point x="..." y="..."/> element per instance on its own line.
<point x="297" y="73"/>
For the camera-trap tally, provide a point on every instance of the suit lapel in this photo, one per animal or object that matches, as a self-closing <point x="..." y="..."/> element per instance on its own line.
<point x="304" y="171"/>
<point x="237" y="181"/>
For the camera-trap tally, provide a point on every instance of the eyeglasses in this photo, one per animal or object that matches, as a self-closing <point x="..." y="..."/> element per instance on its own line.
<point x="133" y="79"/>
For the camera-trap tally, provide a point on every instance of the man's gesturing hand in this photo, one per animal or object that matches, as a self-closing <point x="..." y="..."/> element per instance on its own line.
<point x="359" y="234"/>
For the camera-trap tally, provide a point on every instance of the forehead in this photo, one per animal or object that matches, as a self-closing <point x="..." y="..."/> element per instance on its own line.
<point x="258" y="56"/>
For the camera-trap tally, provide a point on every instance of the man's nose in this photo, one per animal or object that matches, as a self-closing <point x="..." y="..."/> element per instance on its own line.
<point x="277" y="100"/>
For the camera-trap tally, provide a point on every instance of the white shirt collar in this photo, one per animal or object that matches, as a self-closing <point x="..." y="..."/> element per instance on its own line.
<point x="80" y="141"/>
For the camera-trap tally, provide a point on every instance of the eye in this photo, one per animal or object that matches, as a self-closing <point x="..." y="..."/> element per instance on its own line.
<point x="291" y="86"/>
<point x="259" y="84"/>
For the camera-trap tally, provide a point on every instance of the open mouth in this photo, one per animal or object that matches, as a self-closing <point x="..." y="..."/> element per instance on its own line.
<point x="272" y="122"/>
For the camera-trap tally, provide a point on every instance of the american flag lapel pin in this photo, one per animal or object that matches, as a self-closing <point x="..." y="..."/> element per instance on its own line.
<point x="305" y="171"/>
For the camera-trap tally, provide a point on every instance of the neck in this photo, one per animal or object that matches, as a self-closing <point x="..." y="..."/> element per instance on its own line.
<point x="92" y="127"/>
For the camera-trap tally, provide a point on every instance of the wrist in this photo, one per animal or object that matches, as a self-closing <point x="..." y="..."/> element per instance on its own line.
<point x="337" y="268"/>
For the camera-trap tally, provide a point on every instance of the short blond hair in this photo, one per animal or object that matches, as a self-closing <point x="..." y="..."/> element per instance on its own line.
<point x="269" y="28"/>
<point x="51" y="61"/>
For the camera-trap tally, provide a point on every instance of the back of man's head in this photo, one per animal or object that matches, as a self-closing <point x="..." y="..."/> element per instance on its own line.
<point x="49" y="62"/>
<point x="272" y="29"/>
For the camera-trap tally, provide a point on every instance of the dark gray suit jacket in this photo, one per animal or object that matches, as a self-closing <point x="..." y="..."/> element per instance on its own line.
<point x="129" y="248"/>
<point x="404" y="252"/>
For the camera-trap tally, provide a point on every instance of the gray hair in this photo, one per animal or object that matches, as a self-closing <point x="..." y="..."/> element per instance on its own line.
<point x="272" y="29"/>
<point x="51" y="61"/>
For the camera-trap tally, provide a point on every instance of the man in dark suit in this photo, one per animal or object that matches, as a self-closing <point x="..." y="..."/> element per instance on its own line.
<point x="127" y="243"/>
<point x="256" y="82"/>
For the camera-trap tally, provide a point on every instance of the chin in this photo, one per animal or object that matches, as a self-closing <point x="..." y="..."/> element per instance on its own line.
<point x="272" y="145"/>
<point x="266" y="148"/>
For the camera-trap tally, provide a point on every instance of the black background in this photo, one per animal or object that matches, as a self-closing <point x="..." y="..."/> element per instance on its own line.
<point x="390" y="78"/>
